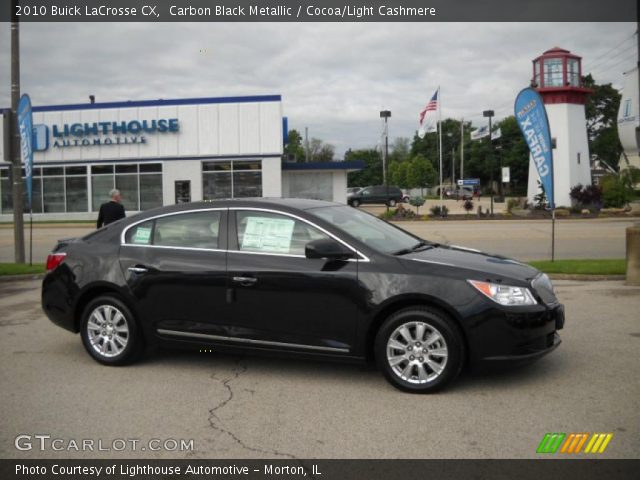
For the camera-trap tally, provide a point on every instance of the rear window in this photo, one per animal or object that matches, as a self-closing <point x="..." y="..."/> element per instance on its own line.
<point x="186" y="230"/>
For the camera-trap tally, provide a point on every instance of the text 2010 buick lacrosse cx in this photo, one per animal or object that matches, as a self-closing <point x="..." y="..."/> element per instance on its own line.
<point x="298" y="277"/>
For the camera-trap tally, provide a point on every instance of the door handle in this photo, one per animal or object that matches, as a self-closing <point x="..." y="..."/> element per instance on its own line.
<point x="138" y="269"/>
<point x="245" y="281"/>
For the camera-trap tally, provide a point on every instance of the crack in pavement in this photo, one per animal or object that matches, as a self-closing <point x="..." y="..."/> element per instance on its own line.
<point x="216" y="424"/>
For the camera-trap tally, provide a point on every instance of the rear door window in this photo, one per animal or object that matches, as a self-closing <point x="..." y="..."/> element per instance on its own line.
<point x="185" y="230"/>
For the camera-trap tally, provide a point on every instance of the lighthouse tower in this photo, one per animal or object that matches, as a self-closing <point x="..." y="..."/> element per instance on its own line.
<point x="557" y="77"/>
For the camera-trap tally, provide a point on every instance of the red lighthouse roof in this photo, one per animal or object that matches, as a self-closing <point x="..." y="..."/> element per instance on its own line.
<point x="557" y="75"/>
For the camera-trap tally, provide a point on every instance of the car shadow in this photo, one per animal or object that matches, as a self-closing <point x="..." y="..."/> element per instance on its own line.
<point x="470" y="379"/>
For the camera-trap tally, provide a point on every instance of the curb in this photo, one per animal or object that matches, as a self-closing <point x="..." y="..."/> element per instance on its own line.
<point x="26" y="276"/>
<point x="586" y="278"/>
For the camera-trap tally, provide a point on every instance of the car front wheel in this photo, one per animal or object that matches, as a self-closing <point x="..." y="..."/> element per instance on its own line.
<point x="109" y="331"/>
<point x="355" y="203"/>
<point x="419" y="350"/>
<point x="391" y="202"/>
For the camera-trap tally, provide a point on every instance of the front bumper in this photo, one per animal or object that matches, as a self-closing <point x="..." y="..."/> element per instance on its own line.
<point x="515" y="335"/>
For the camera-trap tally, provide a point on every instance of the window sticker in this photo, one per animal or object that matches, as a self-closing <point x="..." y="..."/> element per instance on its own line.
<point x="268" y="234"/>
<point x="142" y="235"/>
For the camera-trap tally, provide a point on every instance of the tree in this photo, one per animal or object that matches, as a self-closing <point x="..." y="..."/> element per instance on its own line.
<point x="320" y="151"/>
<point x="513" y="152"/>
<point x="400" y="178"/>
<point x="602" y="125"/>
<point x="372" y="172"/>
<point x="420" y="172"/>
<point x="400" y="150"/>
<point x="294" y="149"/>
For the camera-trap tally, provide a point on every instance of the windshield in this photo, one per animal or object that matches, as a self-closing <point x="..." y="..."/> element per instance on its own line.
<point x="370" y="230"/>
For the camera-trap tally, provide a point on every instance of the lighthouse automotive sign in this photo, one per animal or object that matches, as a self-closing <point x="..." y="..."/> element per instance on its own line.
<point x="534" y="124"/>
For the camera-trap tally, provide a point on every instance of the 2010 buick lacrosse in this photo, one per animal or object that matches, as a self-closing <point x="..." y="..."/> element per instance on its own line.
<point x="298" y="277"/>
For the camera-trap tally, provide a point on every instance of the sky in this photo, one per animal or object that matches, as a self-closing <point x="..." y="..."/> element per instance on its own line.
<point x="334" y="78"/>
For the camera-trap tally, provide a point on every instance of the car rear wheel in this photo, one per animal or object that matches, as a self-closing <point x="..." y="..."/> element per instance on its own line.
<point x="109" y="331"/>
<point x="419" y="350"/>
<point x="355" y="203"/>
<point x="391" y="202"/>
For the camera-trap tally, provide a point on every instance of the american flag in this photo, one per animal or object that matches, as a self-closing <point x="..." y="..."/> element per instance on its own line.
<point x="428" y="117"/>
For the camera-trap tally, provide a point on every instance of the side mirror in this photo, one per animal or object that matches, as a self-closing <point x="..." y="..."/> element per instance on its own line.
<point x="327" y="248"/>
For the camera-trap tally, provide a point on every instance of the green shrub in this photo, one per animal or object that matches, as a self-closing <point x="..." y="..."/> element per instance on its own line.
<point x="417" y="202"/>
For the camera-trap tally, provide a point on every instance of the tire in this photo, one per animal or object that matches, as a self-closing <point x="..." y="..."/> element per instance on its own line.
<point x="119" y="342"/>
<point x="414" y="369"/>
<point x="355" y="203"/>
<point x="391" y="202"/>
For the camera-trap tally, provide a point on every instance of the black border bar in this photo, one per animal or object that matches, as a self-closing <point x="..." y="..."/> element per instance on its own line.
<point x="543" y="469"/>
<point x="320" y="10"/>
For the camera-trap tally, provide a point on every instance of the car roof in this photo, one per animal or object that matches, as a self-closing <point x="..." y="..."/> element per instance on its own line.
<point x="285" y="204"/>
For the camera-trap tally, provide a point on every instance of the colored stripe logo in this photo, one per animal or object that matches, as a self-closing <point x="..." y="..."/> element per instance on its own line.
<point x="573" y="443"/>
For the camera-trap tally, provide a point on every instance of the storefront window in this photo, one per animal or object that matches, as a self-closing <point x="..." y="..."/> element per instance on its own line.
<point x="5" y="191"/>
<point x="101" y="185"/>
<point x="150" y="190"/>
<point x="53" y="194"/>
<point x="140" y="185"/>
<point x="58" y="189"/>
<point x="231" y="179"/>
<point x="128" y="186"/>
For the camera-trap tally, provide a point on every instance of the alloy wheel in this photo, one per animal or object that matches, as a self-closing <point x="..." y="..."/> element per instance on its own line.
<point x="107" y="331"/>
<point x="417" y="352"/>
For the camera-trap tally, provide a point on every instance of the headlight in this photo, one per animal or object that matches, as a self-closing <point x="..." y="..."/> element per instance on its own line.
<point x="504" y="294"/>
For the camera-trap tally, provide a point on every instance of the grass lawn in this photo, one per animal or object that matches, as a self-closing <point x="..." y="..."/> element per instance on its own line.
<point x="20" y="268"/>
<point x="616" y="266"/>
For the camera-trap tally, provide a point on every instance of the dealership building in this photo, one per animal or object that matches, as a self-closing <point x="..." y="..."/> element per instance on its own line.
<point x="161" y="152"/>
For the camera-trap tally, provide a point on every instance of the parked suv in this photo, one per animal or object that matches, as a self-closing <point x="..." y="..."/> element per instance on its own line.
<point x="376" y="194"/>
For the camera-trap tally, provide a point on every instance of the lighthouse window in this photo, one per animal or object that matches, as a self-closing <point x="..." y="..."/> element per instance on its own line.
<point x="627" y="108"/>
<point x="573" y="73"/>
<point x="553" y="72"/>
<point x="536" y="72"/>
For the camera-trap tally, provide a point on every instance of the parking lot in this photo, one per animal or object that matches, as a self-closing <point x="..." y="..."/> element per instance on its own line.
<point x="254" y="407"/>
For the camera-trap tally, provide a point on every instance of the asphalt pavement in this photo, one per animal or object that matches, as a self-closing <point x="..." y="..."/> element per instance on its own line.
<point x="254" y="407"/>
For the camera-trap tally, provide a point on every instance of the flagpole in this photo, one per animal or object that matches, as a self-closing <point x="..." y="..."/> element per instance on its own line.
<point x="440" y="145"/>
<point x="30" y="235"/>
<point x="462" y="149"/>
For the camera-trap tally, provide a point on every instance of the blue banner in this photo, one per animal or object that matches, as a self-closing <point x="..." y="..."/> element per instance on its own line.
<point x="534" y="124"/>
<point x="25" y="124"/>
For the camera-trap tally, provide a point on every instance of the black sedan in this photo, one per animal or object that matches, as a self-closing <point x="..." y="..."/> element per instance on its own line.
<point x="298" y="277"/>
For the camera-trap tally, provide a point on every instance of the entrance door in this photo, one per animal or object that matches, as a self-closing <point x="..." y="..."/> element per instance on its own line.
<point x="183" y="191"/>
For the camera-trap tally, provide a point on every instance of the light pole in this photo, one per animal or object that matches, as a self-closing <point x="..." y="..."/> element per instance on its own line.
<point x="489" y="114"/>
<point x="16" y="159"/>
<point x="386" y="114"/>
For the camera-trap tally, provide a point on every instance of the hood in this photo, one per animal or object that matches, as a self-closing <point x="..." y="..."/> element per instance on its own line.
<point x="489" y="266"/>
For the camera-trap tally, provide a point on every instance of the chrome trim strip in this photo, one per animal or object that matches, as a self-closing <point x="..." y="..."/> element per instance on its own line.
<point x="206" y="336"/>
<point x="168" y="247"/>
<point x="363" y="257"/>
<point x="273" y="254"/>
<point x="124" y="232"/>
<point x="433" y="261"/>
